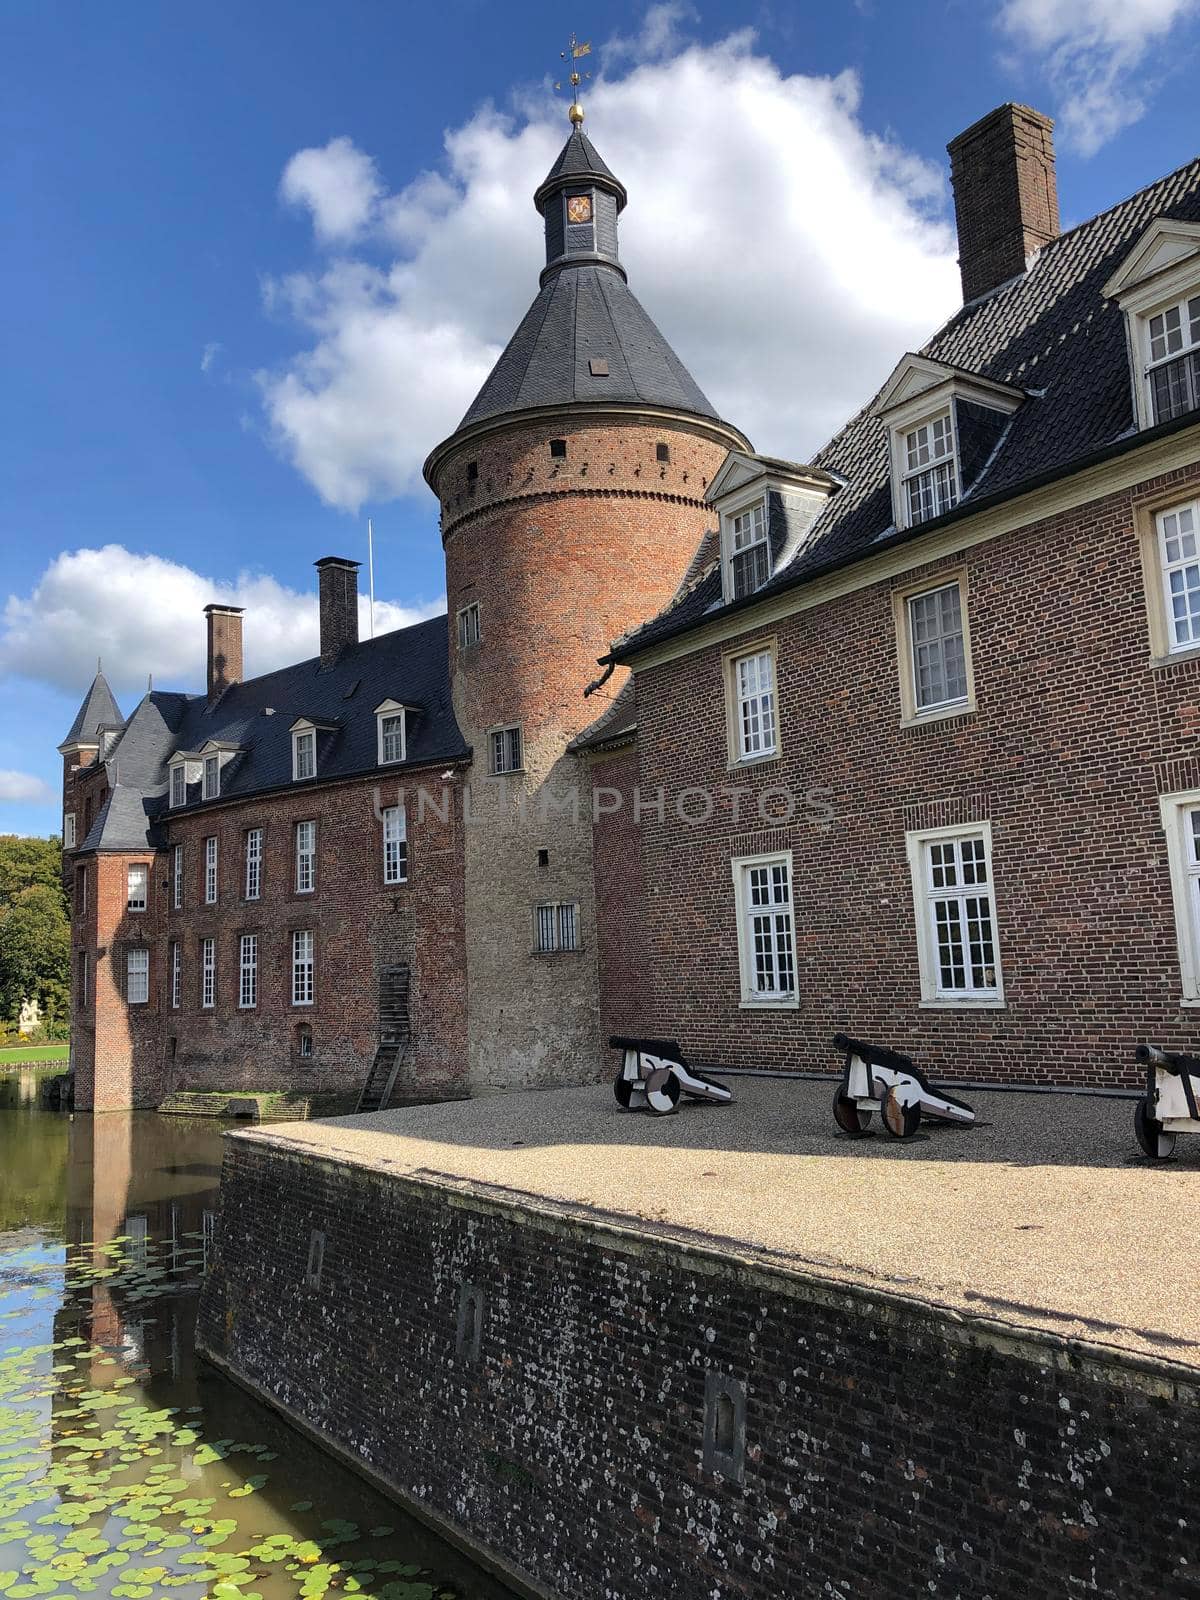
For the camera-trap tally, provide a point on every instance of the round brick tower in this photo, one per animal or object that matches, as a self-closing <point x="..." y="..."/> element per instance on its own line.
<point x="572" y="502"/>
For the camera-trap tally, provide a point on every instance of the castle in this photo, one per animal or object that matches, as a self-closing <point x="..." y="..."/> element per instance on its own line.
<point x="730" y="749"/>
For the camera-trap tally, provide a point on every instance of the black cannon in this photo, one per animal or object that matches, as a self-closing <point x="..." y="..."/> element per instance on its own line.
<point x="654" y="1075"/>
<point x="1168" y="1107"/>
<point x="875" y="1078"/>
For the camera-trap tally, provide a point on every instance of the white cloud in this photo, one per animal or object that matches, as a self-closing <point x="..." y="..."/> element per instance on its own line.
<point x="789" y="255"/>
<point x="144" y="615"/>
<point x="1101" y="57"/>
<point x="337" y="183"/>
<point x="211" y="351"/>
<point x="22" y="788"/>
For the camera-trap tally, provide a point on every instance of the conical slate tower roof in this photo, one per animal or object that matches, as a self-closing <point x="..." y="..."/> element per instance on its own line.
<point x="99" y="710"/>
<point x="585" y="340"/>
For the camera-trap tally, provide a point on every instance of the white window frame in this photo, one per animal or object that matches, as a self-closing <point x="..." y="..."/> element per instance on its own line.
<point x="1180" y="566"/>
<point x="176" y="974"/>
<point x="390" y="712"/>
<point x="469" y="620"/>
<point x="137" y="977"/>
<point x="1176" y="811"/>
<point x="178" y="784"/>
<point x="177" y="878"/>
<point x="902" y="608"/>
<point x="137" y="900"/>
<point x="211" y="784"/>
<point x="918" y="843"/>
<point x="252" y="883"/>
<point x="556" y="928"/>
<point x="68" y="830"/>
<point x="754" y="998"/>
<point x="753" y="711"/>
<point x="907" y="471"/>
<point x="208" y="974"/>
<point x="757" y="500"/>
<point x="500" y="750"/>
<point x="210" y="870"/>
<point x="299" y="735"/>
<point x="247" y="971"/>
<point x="1182" y="303"/>
<point x="304" y="967"/>
<point x="305" y="853"/>
<point x="395" y="845"/>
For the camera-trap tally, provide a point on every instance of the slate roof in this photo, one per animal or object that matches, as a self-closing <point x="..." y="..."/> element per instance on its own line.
<point x="578" y="158"/>
<point x="99" y="710"/>
<point x="410" y="665"/>
<point x="1049" y="332"/>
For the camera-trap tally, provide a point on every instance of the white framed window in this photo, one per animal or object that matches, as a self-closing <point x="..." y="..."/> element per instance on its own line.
<point x="176" y="974"/>
<point x="254" y="840"/>
<point x="937" y="648"/>
<point x="469" y="631"/>
<point x="928" y="469"/>
<point x="1173" y="368"/>
<point x="1179" y="562"/>
<point x="391" y="737"/>
<point x="747" y="549"/>
<point x="304" y="754"/>
<point x="752" y="684"/>
<point x="178" y="784"/>
<point x="302" y="967"/>
<point x="210" y="870"/>
<point x="1181" y="825"/>
<point x="212" y="777"/>
<point x="136" y="884"/>
<point x="137" y="977"/>
<point x="505" y="752"/>
<point x="766" y="929"/>
<point x="555" y="928"/>
<point x="306" y="857"/>
<point x="955" y="910"/>
<point x="69" y="830"/>
<point x="177" y="877"/>
<point x="208" y="973"/>
<point x="395" y="845"/>
<point x="247" y="971"/>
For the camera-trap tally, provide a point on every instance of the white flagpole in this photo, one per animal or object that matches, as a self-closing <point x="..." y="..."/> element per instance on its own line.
<point x="371" y="570"/>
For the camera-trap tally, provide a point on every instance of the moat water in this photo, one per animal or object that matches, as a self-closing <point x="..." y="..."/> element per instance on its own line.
<point x="127" y="1467"/>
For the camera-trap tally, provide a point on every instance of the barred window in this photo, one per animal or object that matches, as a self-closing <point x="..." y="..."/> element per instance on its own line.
<point x="395" y="845"/>
<point x="137" y="977"/>
<point x="208" y="973"/>
<point x="136" y="884"/>
<point x="254" y="840"/>
<point x="210" y="871"/>
<point x="556" y="928"/>
<point x="302" y="967"/>
<point x="930" y="470"/>
<point x="306" y="857"/>
<point x="506" y="752"/>
<point x="754" y="682"/>
<point x="248" y="971"/>
<point x="766" y="936"/>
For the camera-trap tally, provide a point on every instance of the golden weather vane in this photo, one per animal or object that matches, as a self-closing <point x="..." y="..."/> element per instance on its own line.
<point x="571" y="55"/>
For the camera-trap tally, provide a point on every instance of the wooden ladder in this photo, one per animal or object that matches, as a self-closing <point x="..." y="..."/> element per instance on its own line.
<point x="395" y="1036"/>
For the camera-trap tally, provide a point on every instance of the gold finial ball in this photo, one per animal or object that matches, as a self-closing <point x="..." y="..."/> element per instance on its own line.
<point x="576" y="113"/>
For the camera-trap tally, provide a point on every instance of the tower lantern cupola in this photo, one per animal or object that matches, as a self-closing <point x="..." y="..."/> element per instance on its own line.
<point x="580" y="202"/>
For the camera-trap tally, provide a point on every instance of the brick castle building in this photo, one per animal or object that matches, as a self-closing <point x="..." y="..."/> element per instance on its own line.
<point x="908" y="746"/>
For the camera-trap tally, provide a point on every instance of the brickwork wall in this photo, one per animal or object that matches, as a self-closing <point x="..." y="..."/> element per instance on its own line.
<point x="563" y="555"/>
<point x="888" y="1452"/>
<point x="621" y="933"/>
<point x="1074" y="737"/>
<point x="1005" y="195"/>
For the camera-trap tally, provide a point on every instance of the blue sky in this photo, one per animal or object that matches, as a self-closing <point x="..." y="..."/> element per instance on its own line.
<point x="259" y="258"/>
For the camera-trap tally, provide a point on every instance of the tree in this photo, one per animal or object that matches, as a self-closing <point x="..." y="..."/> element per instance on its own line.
<point x="25" y="863"/>
<point x="35" y="954"/>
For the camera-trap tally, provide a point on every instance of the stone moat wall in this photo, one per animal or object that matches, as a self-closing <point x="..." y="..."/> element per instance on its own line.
<point x="616" y="1414"/>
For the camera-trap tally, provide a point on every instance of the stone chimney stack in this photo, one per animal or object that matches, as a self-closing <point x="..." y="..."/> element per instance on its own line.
<point x="1005" y="195"/>
<point x="224" y="648"/>
<point x="339" y="606"/>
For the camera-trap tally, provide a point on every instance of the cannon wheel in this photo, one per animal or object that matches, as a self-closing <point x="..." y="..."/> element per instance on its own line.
<point x="662" y="1091"/>
<point x="1150" y="1133"/>
<point x="846" y="1113"/>
<point x="623" y="1089"/>
<point x="901" y="1121"/>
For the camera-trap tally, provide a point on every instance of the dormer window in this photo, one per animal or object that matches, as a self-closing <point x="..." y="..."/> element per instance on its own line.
<point x="1173" y="375"/>
<point x="178" y="784"/>
<point x="931" y="469"/>
<point x="212" y="777"/>
<point x="304" y="754"/>
<point x="749" y="554"/>
<point x="392" y="733"/>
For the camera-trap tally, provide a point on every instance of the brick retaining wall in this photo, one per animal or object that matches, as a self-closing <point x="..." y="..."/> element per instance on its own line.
<point x="538" y="1384"/>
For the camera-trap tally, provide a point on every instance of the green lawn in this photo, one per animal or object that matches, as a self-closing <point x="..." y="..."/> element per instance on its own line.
<point x="19" y="1055"/>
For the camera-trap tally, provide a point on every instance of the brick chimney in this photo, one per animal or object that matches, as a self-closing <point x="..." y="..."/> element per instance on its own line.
<point x="339" y="606"/>
<point x="1005" y="195"/>
<point x="224" y="648"/>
